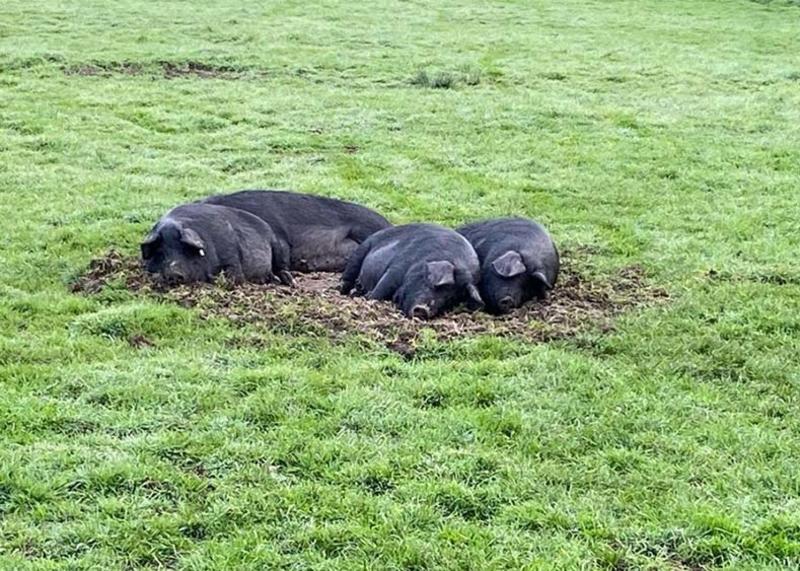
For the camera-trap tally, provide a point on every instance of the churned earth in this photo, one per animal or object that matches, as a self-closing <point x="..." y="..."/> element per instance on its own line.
<point x="313" y="306"/>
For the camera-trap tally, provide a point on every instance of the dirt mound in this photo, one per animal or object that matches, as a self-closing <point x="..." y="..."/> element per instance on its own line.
<point x="314" y="306"/>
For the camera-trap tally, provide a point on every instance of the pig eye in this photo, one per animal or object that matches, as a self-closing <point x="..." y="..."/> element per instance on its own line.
<point x="193" y="251"/>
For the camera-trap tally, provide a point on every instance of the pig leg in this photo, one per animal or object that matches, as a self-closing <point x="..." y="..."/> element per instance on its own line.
<point x="257" y="264"/>
<point x="254" y="256"/>
<point x="281" y="262"/>
<point x="233" y="271"/>
<point x="353" y="268"/>
<point x="387" y="285"/>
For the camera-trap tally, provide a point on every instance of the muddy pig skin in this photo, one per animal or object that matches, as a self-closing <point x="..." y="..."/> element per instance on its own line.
<point x="519" y="261"/>
<point x="423" y="268"/>
<point x="321" y="232"/>
<point x="195" y="242"/>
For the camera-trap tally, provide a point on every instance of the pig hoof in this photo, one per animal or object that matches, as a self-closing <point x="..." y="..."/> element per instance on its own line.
<point x="285" y="278"/>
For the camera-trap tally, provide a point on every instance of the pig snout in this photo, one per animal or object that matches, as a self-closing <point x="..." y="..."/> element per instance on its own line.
<point x="421" y="312"/>
<point x="174" y="272"/>
<point x="505" y="304"/>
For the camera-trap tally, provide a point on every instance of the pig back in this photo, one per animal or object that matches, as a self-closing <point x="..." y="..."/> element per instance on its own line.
<point x="291" y="214"/>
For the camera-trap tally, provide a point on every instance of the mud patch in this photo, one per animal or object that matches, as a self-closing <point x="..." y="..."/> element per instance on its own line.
<point x="313" y="306"/>
<point x="199" y="69"/>
<point x="166" y="69"/>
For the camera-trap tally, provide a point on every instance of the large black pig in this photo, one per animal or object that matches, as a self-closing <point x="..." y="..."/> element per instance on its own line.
<point x="195" y="242"/>
<point x="519" y="261"/>
<point x="321" y="232"/>
<point x="423" y="268"/>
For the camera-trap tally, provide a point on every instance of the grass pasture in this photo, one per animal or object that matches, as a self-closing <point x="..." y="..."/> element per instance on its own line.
<point x="136" y="433"/>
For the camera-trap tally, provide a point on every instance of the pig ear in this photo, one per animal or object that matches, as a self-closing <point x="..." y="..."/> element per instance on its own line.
<point x="148" y="245"/>
<point x="475" y="300"/>
<point x="441" y="273"/>
<point x="509" y="264"/>
<point x="540" y="277"/>
<point x="193" y="239"/>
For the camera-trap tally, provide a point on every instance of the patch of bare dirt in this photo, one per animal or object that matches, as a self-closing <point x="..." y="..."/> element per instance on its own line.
<point x="198" y="69"/>
<point x="167" y="69"/>
<point x="105" y="69"/>
<point x="314" y="306"/>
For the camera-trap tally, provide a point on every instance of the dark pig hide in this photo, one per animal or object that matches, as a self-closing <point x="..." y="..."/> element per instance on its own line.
<point x="321" y="232"/>
<point x="519" y="261"/>
<point x="195" y="242"/>
<point x="424" y="269"/>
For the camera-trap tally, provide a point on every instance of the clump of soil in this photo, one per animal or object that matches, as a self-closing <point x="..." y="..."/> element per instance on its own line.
<point x="314" y="306"/>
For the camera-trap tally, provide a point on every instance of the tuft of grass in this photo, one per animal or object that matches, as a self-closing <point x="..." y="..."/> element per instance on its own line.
<point x="466" y="76"/>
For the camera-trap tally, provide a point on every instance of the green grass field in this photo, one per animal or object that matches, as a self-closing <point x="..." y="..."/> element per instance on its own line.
<point x="662" y="134"/>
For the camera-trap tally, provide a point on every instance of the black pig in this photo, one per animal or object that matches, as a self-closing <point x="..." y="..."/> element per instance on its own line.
<point x="519" y="261"/>
<point x="423" y="268"/>
<point x="195" y="242"/>
<point x="321" y="232"/>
